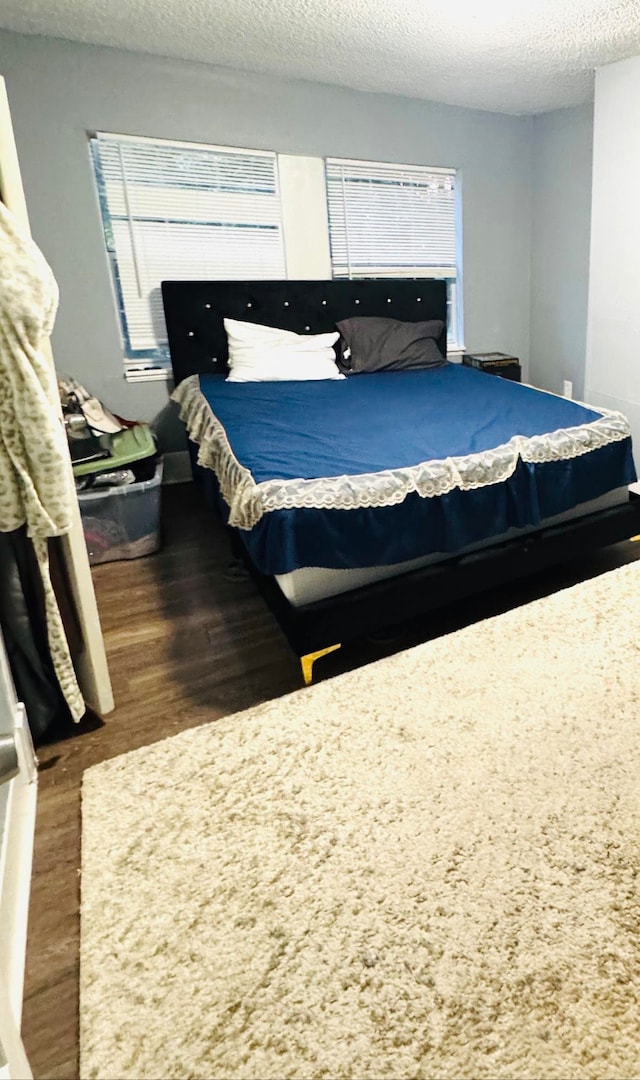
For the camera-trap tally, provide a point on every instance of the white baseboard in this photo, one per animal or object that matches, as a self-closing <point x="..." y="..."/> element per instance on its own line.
<point x="177" y="467"/>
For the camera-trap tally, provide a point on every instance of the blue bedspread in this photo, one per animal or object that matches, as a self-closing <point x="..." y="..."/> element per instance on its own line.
<point x="370" y="423"/>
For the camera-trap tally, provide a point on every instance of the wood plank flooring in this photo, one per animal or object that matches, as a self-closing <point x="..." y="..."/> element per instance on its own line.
<point x="185" y="646"/>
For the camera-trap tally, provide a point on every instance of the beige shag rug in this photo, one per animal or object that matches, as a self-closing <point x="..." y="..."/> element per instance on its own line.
<point x="425" y="868"/>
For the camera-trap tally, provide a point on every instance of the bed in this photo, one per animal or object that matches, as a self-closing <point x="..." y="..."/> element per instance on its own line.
<point x="363" y="501"/>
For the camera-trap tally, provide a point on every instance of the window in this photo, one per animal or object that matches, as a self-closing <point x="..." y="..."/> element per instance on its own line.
<point x="178" y="210"/>
<point x="181" y="211"/>
<point x="390" y="220"/>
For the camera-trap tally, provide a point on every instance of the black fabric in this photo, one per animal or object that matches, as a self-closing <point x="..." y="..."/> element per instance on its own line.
<point x="195" y="310"/>
<point x="378" y="344"/>
<point x="23" y="623"/>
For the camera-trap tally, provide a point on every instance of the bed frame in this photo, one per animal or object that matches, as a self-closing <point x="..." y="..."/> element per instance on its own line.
<point x="194" y="313"/>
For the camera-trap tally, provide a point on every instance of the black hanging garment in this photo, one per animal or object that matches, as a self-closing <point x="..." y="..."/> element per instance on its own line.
<point x="24" y="628"/>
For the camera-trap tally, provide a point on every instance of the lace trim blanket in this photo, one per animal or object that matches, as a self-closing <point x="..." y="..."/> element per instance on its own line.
<point x="248" y="501"/>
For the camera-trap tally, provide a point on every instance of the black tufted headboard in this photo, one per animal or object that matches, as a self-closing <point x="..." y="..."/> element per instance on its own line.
<point x="195" y="310"/>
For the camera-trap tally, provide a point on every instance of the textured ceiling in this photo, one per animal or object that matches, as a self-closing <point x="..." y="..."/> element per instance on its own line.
<point x="517" y="56"/>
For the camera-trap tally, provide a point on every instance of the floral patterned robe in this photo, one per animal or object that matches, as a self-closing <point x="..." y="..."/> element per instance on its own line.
<point x="36" y="482"/>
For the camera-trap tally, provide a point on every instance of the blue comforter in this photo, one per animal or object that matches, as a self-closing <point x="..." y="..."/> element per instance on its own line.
<point x="370" y="423"/>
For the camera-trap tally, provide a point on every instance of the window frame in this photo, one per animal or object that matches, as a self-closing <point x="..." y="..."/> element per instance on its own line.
<point x="144" y="364"/>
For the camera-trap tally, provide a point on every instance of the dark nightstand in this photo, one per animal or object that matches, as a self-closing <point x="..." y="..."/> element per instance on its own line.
<point x="495" y="363"/>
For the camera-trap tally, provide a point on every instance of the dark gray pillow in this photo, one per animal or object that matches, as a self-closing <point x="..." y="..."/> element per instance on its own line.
<point x="379" y="344"/>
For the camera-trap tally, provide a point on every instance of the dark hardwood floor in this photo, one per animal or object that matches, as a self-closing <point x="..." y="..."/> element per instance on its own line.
<point x="186" y="645"/>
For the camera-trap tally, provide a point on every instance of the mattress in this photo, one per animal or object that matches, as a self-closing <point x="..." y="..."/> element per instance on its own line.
<point x="385" y="470"/>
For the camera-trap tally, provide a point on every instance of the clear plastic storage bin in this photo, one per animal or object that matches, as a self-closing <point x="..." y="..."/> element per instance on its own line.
<point x="122" y="522"/>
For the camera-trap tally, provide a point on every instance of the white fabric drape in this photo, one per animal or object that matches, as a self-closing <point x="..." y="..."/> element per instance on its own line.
<point x="36" y="484"/>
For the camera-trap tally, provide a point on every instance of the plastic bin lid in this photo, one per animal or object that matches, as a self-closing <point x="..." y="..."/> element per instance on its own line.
<point x="132" y="444"/>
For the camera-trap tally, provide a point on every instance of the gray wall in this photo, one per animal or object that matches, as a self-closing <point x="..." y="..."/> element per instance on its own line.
<point x="613" y="364"/>
<point x="58" y="91"/>
<point x="562" y="146"/>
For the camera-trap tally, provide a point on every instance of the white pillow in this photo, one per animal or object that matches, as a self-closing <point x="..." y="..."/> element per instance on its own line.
<point x="267" y="354"/>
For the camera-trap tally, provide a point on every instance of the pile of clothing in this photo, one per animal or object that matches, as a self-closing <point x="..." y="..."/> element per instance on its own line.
<point x="117" y="474"/>
<point x="105" y="449"/>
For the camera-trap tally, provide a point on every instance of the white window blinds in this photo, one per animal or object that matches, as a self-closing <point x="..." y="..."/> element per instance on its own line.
<point x="182" y="211"/>
<point x="387" y="220"/>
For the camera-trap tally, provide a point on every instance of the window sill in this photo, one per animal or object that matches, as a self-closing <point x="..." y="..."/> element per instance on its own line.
<point x="147" y="374"/>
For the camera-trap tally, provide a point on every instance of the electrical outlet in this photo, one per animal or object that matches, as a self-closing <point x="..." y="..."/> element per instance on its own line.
<point x="567" y="388"/>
